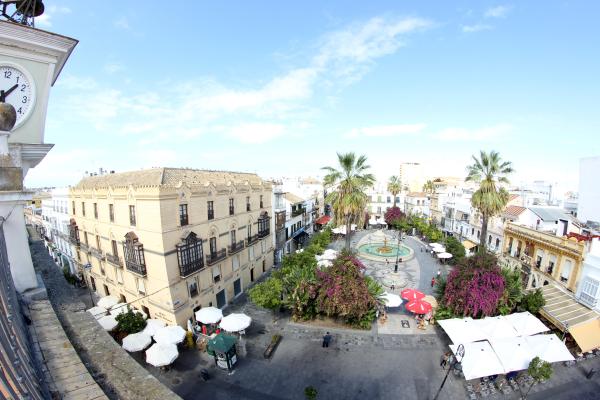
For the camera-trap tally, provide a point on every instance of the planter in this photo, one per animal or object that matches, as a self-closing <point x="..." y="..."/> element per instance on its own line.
<point x="272" y="346"/>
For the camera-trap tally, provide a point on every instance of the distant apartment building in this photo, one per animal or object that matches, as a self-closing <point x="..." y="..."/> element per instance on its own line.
<point x="411" y="176"/>
<point x="379" y="200"/>
<point x="57" y="217"/>
<point x="445" y="189"/>
<point x="170" y="241"/>
<point x="588" y="210"/>
<point x="416" y="203"/>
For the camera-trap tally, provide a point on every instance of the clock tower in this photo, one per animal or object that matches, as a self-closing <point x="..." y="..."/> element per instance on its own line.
<point x="30" y="63"/>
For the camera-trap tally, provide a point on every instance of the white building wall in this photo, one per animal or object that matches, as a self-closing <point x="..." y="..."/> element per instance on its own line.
<point x="590" y="274"/>
<point x="589" y="189"/>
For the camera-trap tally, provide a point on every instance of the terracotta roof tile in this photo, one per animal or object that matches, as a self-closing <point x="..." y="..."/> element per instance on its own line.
<point x="513" y="211"/>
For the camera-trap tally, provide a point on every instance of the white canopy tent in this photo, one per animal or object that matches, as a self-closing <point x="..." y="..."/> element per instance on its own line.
<point x="444" y="255"/>
<point x="235" y="322"/>
<point x="209" y="315"/>
<point x="494" y="328"/>
<point x="549" y="348"/>
<point x="152" y="326"/>
<point x="136" y="342"/>
<point x="107" y="302"/>
<point x="514" y="353"/>
<point x="479" y="360"/>
<point x="171" y="334"/>
<point x="97" y="312"/>
<point x="161" y="354"/>
<point x="526" y="324"/>
<point x="391" y="299"/>
<point x="462" y="330"/>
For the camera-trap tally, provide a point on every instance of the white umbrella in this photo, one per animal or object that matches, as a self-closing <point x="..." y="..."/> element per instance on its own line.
<point x="136" y="342"/>
<point x="391" y="299"/>
<point x="479" y="360"/>
<point x="118" y="309"/>
<point x="494" y="328"/>
<point x="525" y="323"/>
<point x="161" y="354"/>
<point x="152" y="326"/>
<point x="439" y="249"/>
<point x="549" y="348"/>
<point x="170" y="334"/>
<point x="97" y="312"/>
<point x="107" y="302"/>
<point x="444" y="255"/>
<point x="462" y="330"/>
<point x="235" y="322"/>
<point x="108" y="323"/>
<point x="435" y="245"/>
<point x="209" y="315"/>
<point x="514" y="353"/>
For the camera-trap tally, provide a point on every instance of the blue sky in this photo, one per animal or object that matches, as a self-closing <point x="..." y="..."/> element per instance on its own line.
<point x="278" y="87"/>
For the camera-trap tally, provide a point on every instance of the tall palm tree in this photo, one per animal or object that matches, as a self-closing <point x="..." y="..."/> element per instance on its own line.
<point x="348" y="198"/>
<point x="394" y="187"/>
<point x="488" y="171"/>
<point x="428" y="187"/>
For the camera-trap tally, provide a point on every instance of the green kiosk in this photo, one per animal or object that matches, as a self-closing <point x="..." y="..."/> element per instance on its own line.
<point x="222" y="348"/>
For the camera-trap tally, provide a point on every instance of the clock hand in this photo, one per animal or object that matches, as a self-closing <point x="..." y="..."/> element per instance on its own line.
<point x="9" y="91"/>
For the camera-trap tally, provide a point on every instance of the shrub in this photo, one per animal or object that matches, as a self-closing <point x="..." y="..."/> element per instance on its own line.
<point x="310" y="392"/>
<point x="456" y="248"/>
<point x="130" y="321"/>
<point x="267" y="294"/>
<point x="532" y="301"/>
<point x="392" y="215"/>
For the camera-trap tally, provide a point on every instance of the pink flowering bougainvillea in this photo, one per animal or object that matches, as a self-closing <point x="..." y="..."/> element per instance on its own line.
<point x="475" y="287"/>
<point x="393" y="214"/>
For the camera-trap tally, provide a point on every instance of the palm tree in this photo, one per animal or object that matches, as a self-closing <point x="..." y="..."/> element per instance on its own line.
<point x="428" y="187"/>
<point x="489" y="170"/>
<point x="394" y="187"/>
<point x="348" y="198"/>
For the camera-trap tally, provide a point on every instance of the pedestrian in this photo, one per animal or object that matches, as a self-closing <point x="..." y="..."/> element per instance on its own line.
<point x="439" y="272"/>
<point x="433" y="281"/>
<point x="393" y="287"/>
<point x="444" y="360"/>
<point x="326" y="339"/>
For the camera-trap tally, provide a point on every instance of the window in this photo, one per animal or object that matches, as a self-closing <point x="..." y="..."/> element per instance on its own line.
<point x="248" y="203"/>
<point x="183" y="215"/>
<point x="237" y="287"/>
<point x="261" y="201"/>
<point x="189" y="255"/>
<point x="115" y="252"/>
<point x="96" y="210"/>
<point x="132" y="215"/>
<point x="497" y="243"/>
<point x="85" y="238"/>
<point x="232" y="235"/>
<point x="193" y="288"/>
<point x="589" y="291"/>
<point x="141" y="287"/>
<point x="489" y="240"/>
<point x="251" y="253"/>
<point x="111" y="212"/>
<point x="397" y="199"/>
<point x="231" y="207"/>
<point x="235" y="262"/>
<point x="211" y="210"/>
<point x="83" y="208"/>
<point x="379" y="199"/>
<point x="478" y="234"/>
<point x="565" y="273"/>
<point x="213" y="245"/>
<point x="389" y="199"/>
<point x="73" y="204"/>
<point x="98" y="242"/>
<point x="249" y="229"/>
<point x="216" y="271"/>
<point x="133" y="251"/>
<point x="119" y="275"/>
<point x="263" y="224"/>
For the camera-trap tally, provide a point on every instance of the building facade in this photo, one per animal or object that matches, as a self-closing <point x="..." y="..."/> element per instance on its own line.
<point x="416" y="203"/>
<point x="170" y="241"/>
<point x="588" y="209"/>
<point x="411" y="176"/>
<point x="56" y="215"/>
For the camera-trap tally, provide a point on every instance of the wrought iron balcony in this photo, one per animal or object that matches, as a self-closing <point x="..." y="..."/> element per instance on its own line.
<point x="213" y="258"/>
<point x="235" y="247"/>
<point x="135" y="267"/>
<point x="74" y="240"/>
<point x="251" y="240"/>
<point x="298" y="211"/>
<point x="191" y="267"/>
<point x="84" y="247"/>
<point x="114" y="260"/>
<point x="96" y="253"/>
<point x="264" y="234"/>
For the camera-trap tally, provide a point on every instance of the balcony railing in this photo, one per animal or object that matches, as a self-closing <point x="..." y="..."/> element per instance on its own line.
<point x="235" y="247"/>
<point x="297" y="212"/>
<point x="135" y="267"/>
<point x="114" y="260"/>
<point x="191" y="267"/>
<point x="96" y="253"/>
<point x="213" y="258"/>
<point x="251" y="240"/>
<point x="84" y="247"/>
<point x="74" y="240"/>
<point x="263" y="234"/>
<point x="588" y="300"/>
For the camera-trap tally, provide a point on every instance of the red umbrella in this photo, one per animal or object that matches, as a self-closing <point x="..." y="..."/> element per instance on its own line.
<point x="418" y="307"/>
<point x="411" y="294"/>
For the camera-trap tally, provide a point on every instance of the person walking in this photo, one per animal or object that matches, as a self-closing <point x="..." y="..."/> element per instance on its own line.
<point x="326" y="339"/>
<point x="444" y="360"/>
<point x="433" y="281"/>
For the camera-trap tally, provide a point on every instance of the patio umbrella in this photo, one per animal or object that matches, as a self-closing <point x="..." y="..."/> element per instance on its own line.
<point x="107" y="302"/>
<point x="171" y="334"/>
<point x="136" y="342"/>
<point x="479" y="360"/>
<point x="525" y="323"/>
<point x="108" y="322"/>
<point x="97" y="312"/>
<point x="209" y="315"/>
<point x="391" y="300"/>
<point x="152" y="326"/>
<point x="235" y="322"/>
<point x="118" y="309"/>
<point x="161" y="354"/>
<point x="444" y="255"/>
<point x="418" y="307"/>
<point x="549" y="348"/>
<point x="439" y="249"/>
<point x="514" y="353"/>
<point x="435" y="245"/>
<point x="411" y="294"/>
<point x="431" y="300"/>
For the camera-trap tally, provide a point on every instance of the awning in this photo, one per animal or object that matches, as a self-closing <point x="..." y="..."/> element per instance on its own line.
<point x="298" y="233"/>
<point x="587" y="335"/>
<point x="323" y="220"/>
<point x="563" y="310"/>
<point x="468" y="244"/>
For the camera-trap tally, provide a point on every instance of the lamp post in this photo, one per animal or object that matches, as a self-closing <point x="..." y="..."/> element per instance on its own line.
<point x="460" y="353"/>
<point x="397" y="250"/>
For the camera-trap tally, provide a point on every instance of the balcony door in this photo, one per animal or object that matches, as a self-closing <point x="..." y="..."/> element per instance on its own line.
<point x="221" y="301"/>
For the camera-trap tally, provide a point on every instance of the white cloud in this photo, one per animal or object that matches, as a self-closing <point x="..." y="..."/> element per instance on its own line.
<point x="481" y="134"/>
<point x="476" y="28"/>
<point x="113" y="67"/>
<point x="254" y="133"/>
<point x="45" y="20"/>
<point x="497" y="12"/>
<point x="73" y="82"/>
<point x="386" y="130"/>
<point x="122" y="23"/>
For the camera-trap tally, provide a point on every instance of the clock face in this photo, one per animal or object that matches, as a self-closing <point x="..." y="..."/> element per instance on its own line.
<point x="17" y="88"/>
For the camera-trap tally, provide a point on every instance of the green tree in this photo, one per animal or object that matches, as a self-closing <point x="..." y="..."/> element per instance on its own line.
<point x="348" y="198"/>
<point x="394" y="187"/>
<point x="490" y="199"/>
<point x="513" y="290"/>
<point x="428" y="187"/>
<point x="130" y="321"/>
<point x="267" y="294"/>
<point x="532" y="301"/>
<point x="540" y="371"/>
<point x="456" y="248"/>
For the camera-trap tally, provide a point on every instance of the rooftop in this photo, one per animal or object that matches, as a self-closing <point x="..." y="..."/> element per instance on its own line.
<point x="551" y="213"/>
<point x="513" y="211"/>
<point x="292" y="198"/>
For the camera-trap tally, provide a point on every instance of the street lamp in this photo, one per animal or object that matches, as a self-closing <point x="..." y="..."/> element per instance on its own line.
<point x="397" y="251"/>
<point x="460" y="353"/>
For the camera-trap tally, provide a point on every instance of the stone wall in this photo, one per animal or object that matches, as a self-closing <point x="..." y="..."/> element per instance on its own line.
<point x="119" y="375"/>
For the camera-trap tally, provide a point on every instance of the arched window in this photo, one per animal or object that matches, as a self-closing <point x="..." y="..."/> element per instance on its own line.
<point x="133" y="251"/>
<point x="189" y="255"/>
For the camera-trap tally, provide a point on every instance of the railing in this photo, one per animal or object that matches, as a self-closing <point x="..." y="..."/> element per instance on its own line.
<point x="263" y="234"/>
<point x="213" y="258"/>
<point x="190" y="268"/>
<point x="96" y="253"/>
<point x="84" y="247"/>
<point x="297" y="212"/>
<point x="251" y="240"/>
<point x="235" y="247"/>
<point x="74" y="240"/>
<point x="114" y="260"/>
<point x="135" y="267"/>
<point x="588" y="300"/>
